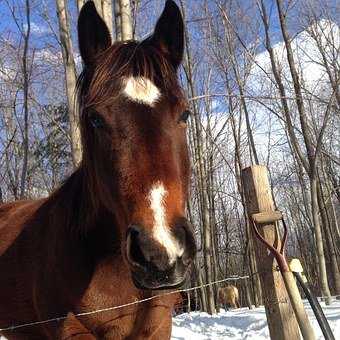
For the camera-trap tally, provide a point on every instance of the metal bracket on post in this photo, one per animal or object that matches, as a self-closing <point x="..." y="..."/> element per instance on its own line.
<point x="279" y="253"/>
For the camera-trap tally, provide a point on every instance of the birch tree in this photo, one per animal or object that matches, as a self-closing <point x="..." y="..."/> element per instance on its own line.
<point x="125" y="19"/>
<point x="70" y="78"/>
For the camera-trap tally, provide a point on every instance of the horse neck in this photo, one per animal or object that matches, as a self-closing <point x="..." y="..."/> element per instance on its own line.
<point x="77" y="207"/>
<point x="75" y="234"/>
<point x="73" y="203"/>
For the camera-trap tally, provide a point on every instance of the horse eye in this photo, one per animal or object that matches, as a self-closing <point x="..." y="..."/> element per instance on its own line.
<point x="97" y="121"/>
<point x="184" y="116"/>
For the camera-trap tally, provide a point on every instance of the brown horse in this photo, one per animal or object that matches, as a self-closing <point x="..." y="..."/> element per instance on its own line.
<point x="228" y="296"/>
<point x="115" y="231"/>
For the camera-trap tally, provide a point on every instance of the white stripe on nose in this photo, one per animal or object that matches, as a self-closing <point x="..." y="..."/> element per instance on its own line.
<point x="161" y="231"/>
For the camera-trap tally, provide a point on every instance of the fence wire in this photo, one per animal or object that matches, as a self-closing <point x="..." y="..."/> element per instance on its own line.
<point x="97" y="311"/>
<point x="310" y="98"/>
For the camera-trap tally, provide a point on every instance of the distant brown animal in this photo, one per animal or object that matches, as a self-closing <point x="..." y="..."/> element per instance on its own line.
<point x="115" y="232"/>
<point x="228" y="296"/>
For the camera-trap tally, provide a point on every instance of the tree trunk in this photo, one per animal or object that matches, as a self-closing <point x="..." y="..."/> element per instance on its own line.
<point x="107" y="14"/>
<point x="25" y="71"/>
<point x="319" y="242"/>
<point x="278" y="79"/>
<point x="80" y="4"/>
<point x="13" y="150"/>
<point x="248" y="294"/>
<point x="200" y="282"/>
<point x="118" y="21"/>
<point x="312" y="152"/>
<point x="240" y="83"/>
<point x="250" y="251"/>
<point x="318" y="38"/>
<point x="207" y="244"/>
<point x="202" y="184"/>
<point x="71" y="79"/>
<point x="126" y="20"/>
<point x="326" y="223"/>
<point x="329" y="204"/>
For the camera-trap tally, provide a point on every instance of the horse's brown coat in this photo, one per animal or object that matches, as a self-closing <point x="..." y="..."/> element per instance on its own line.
<point x="55" y="275"/>
<point x="66" y="254"/>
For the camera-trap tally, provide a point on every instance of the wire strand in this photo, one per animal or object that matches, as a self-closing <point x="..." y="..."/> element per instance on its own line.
<point x="57" y="319"/>
<point x="253" y="97"/>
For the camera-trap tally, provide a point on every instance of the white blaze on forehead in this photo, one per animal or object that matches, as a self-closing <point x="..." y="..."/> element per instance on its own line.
<point x="161" y="231"/>
<point x="142" y="90"/>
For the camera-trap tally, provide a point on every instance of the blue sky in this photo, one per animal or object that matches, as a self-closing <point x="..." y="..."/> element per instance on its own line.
<point x="40" y="28"/>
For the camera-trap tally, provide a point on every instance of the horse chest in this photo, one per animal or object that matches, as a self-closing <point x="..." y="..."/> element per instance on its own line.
<point x="109" y="288"/>
<point x="139" y="321"/>
<point x="112" y="287"/>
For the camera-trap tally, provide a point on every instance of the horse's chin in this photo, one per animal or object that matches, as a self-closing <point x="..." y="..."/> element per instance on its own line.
<point x="158" y="286"/>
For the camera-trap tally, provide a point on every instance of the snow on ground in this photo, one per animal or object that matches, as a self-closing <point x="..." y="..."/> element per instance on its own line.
<point x="242" y="324"/>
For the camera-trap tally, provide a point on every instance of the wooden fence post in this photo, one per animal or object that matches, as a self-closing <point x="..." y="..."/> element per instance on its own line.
<point x="282" y="323"/>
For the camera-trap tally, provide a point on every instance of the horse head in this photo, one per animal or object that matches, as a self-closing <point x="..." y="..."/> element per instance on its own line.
<point x="133" y="122"/>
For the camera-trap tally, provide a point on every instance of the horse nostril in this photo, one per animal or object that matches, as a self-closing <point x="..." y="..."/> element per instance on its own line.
<point x="134" y="252"/>
<point x="186" y="259"/>
<point x="185" y="236"/>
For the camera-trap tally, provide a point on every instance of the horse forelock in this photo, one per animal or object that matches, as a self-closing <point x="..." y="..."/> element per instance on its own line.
<point x="102" y="83"/>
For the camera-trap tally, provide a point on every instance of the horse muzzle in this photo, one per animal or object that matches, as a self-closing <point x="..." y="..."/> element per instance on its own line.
<point x="160" y="265"/>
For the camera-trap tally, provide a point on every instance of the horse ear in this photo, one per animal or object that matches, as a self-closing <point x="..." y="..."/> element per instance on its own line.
<point x="169" y="33"/>
<point x="93" y="34"/>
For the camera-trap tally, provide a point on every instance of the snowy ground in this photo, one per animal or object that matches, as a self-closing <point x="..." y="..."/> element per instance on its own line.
<point x="241" y="324"/>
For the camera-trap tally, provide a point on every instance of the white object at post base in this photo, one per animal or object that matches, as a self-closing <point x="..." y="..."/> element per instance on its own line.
<point x="295" y="266"/>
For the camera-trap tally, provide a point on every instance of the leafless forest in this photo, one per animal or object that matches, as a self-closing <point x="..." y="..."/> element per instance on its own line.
<point x="262" y="78"/>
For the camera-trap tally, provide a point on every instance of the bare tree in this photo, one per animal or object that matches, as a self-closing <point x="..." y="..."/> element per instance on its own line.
<point x="118" y="20"/>
<point x="126" y="19"/>
<point x="25" y="71"/>
<point x="70" y="78"/>
<point x="312" y="151"/>
<point x="201" y="173"/>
